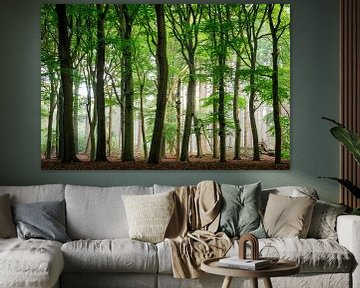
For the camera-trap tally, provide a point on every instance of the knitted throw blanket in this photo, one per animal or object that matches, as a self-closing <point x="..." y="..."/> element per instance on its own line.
<point x="191" y="232"/>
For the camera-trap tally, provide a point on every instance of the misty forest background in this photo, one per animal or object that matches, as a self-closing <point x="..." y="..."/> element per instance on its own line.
<point x="165" y="82"/>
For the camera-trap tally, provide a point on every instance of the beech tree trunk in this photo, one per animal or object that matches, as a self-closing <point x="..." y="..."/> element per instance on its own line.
<point x="67" y="84"/>
<point x="236" y="110"/>
<point x="128" y="87"/>
<point x="275" y="81"/>
<point x="189" y="109"/>
<point x="162" y="83"/>
<point x="100" y="95"/>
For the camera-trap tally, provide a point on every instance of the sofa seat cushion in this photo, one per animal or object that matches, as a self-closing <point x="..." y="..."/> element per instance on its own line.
<point x="110" y="255"/>
<point x="30" y="263"/>
<point x="313" y="255"/>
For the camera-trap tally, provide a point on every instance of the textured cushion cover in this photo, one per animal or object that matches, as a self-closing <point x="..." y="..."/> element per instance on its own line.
<point x="32" y="264"/>
<point x="117" y="255"/>
<point x="240" y="213"/>
<point x="323" y="222"/>
<point x="44" y="220"/>
<point x="149" y="215"/>
<point x="98" y="212"/>
<point x="7" y="226"/>
<point x="287" y="216"/>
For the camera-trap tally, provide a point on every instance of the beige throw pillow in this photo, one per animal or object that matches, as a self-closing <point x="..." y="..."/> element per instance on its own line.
<point x="148" y="215"/>
<point x="7" y="226"/>
<point x="288" y="217"/>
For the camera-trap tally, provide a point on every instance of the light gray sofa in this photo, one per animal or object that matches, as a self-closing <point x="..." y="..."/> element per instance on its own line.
<point x="101" y="254"/>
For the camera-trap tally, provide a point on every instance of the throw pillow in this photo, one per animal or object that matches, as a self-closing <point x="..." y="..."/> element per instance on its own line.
<point x="240" y="213"/>
<point x="323" y="222"/>
<point x="288" y="217"/>
<point x="7" y="227"/>
<point x="149" y="215"/>
<point x="44" y="220"/>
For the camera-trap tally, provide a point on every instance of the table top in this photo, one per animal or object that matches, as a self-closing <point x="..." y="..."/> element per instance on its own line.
<point x="281" y="268"/>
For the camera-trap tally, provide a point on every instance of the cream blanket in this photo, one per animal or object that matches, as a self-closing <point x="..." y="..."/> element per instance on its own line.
<point x="191" y="231"/>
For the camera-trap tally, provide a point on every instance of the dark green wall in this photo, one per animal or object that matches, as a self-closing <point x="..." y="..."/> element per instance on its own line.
<point x="314" y="92"/>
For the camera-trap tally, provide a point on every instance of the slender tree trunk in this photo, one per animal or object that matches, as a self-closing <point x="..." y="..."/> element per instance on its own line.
<point x="189" y="109"/>
<point x="67" y="83"/>
<point x="221" y="112"/>
<point x="51" y="114"/>
<point x="100" y="95"/>
<point x="236" y="110"/>
<point x="109" y="138"/>
<point x="275" y="83"/>
<point x="60" y="118"/>
<point x="76" y="115"/>
<point x="178" y="119"/>
<point x="142" y="121"/>
<point x="161" y="57"/>
<point x="256" y="152"/>
<point x="128" y="87"/>
<point x="215" y="132"/>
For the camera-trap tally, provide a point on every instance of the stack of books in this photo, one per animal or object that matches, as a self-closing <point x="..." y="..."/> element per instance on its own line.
<point x="248" y="264"/>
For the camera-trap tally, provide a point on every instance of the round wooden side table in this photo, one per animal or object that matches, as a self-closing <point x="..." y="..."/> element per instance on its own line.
<point x="281" y="268"/>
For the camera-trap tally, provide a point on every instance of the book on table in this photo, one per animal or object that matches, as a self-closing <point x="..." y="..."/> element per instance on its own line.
<point x="249" y="264"/>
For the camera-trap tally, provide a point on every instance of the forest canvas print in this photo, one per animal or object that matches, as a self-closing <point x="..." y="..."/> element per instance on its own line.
<point x="165" y="86"/>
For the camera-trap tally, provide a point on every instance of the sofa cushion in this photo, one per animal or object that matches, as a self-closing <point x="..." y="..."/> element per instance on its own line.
<point x="313" y="255"/>
<point x="240" y="212"/>
<point x="149" y="215"/>
<point x="43" y="220"/>
<point x="7" y="226"/>
<point x="35" y="193"/>
<point x="287" y="216"/>
<point x="98" y="213"/>
<point x="323" y="222"/>
<point x="30" y="263"/>
<point x="117" y="255"/>
<point x="290" y="191"/>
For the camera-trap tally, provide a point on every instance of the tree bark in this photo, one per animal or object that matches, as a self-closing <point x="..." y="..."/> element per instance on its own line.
<point x="236" y="110"/>
<point x="52" y="106"/>
<point x="162" y="83"/>
<point x="275" y="82"/>
<point x="178" y="119"/>
<point x="128" y="87"/>
<point x="189" y="109"/>
<point x="142" y="120"/>
<point x="100" y="95"/>
<point x="67" y="83"/>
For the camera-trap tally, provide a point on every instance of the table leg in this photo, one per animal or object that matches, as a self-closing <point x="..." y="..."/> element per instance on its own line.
<point x="227" y="282"/>
<point x="267" y="283"/>
<point x="254" y="282"/>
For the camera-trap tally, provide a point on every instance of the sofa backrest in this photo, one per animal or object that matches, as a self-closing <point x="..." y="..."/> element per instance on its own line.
<point x="35" y="193"/>
<point x="98" y="212"/>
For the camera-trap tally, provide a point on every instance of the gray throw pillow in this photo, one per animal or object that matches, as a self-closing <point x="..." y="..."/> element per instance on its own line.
<point x="44" y="220"/>
<point x="7" y="227"/>
<point x="240" y="213"/>
<point x="323" y="222"/>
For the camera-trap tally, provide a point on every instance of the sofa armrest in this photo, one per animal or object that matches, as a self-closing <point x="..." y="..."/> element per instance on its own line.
<point x="348" y="230"/>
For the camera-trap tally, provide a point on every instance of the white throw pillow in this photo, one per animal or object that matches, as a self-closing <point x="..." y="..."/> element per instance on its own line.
<point x="149" y="215"/>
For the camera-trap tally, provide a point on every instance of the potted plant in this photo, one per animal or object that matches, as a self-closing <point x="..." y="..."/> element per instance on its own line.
<point x="351" y="141"/>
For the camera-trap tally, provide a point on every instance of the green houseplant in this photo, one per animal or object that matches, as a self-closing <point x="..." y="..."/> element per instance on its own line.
<point x="351" y="142"/>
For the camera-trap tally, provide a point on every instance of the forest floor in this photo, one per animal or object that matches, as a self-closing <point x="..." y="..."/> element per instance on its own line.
<point x="168" y="163"/>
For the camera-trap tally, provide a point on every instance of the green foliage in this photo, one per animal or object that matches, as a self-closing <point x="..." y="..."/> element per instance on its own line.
<point x="351" y="141"/>
<point x="183" y="22"/>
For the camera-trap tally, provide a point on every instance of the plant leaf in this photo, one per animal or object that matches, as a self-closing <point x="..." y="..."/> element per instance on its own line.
<point x="349" y="139"/>
<point x="347" y="184"/>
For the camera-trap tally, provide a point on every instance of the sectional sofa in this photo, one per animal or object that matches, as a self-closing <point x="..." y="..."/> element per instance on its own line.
<point x="100" y="253"/>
